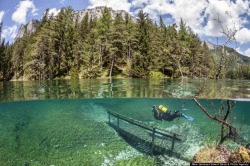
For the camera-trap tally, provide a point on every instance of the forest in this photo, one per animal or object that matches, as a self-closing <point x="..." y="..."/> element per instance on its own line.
<point x="65" y="46"/>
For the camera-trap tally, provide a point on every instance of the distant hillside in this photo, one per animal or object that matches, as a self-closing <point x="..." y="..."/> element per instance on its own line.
<point x="216" y="51"/>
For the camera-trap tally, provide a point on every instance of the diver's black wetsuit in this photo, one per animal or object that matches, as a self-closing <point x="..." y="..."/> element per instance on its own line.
<point x="168" y="116"/>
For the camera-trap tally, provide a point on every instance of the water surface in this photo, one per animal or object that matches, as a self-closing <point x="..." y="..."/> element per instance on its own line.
<point x="125" y="88"/>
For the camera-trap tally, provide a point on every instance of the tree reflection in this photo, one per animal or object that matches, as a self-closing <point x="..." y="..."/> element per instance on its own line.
<point x="123" y="88"/>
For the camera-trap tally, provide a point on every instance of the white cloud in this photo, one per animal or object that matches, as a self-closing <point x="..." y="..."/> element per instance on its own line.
<point x="9" y="32"/>
<point x="243" y="36"/>
<point x="62" y="1"/>
<point x="22" y="9"/>
<point x="229" y="13"/>
<point x="1" y="15"/>
<point x="200" y="15"/>
<point x="247" y="52"/>
<point x="115" y="4"/>
<point x="54" y="12"/>
<point x="139" y="3"/>
<point x="190" y="11"/>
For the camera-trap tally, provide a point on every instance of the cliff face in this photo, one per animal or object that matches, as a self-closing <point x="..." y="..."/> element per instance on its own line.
<point x="31" y="26"/>
<point x="210" y="45"/>
<point x="97" y="12"/>
<point x="216" y="51"/>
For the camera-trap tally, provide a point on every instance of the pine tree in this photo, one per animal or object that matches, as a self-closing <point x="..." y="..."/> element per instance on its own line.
<point x="65" y="45"/>
<point x="5" y="59"/>
<point x="117" y="43"/>
<point x="18" y="56"/>
<point x="40" y="52"/>
<point x="174" y="52"/>
<point x="130" y="43"/>
<point x="103" y="26"/>
<point x="141" y="62"/>
<point x="90" y="52"/>
<point x="207" y="62"/>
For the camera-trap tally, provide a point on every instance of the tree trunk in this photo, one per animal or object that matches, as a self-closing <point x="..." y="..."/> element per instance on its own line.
<point x="111" y="68"/>
<point x="179" y="66"/>
<point x="218" y="74"/>
<point x="100" y="56"/>
<point x="232" y="130"/>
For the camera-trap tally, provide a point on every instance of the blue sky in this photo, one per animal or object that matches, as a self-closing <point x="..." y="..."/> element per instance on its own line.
<point x="198" y="14"/>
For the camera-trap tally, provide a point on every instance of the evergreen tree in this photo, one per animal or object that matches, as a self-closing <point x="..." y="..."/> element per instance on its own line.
<point x="103" y="26"/>
<point x="207" y="62"/>
<point x="117" y="44"/>
<point x="141" y="62"/>
<point x="92" y="47"/>
<point x="40" y="52"/>
<point x="5" y="59"/>
<point x="90" y="53"/>
<point x="174" y="51"/>
<point x="130" y="43"/>
<point x="18" y="56"/>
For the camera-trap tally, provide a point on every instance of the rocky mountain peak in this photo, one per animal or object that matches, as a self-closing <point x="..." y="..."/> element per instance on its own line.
<point x="97" y="12"/>
<point x="210" y="45"/>
<point x="29" y="28"/>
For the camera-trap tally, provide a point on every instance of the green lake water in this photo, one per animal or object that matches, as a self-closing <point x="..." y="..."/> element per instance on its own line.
<point x="65" y="122"/>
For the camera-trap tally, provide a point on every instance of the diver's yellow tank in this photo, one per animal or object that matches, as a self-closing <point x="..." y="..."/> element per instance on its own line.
<point x="162" y="108"/>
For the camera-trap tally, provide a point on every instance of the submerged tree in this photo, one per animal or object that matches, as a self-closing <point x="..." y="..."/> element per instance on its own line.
<point x="227" y="129"/>
<point x="229" y="33"/>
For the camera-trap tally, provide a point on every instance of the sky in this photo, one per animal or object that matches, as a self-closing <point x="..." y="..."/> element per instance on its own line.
<point x="200" y="15"/>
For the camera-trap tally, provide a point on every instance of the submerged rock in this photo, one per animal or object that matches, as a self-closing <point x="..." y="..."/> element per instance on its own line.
<point x="242" y="155"/>
<point x="212" y="155"/>
<point x="222" y="155"/>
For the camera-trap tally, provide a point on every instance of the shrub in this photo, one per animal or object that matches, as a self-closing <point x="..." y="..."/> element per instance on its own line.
<point x="155" y="74"/>
<point x="74" y="74"/>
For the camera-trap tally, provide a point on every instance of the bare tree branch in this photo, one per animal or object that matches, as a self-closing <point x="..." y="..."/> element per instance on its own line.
<point x="230" y="37"/>
<point x="232" y="130"/>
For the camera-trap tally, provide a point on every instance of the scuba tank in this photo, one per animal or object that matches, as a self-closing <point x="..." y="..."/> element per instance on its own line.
<point x="162" y="109"/>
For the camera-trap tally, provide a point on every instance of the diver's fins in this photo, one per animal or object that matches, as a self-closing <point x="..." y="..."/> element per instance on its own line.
<point x="187" y="117"/>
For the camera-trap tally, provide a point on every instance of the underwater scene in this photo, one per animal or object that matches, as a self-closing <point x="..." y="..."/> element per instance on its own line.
<point x="48" y="126"/>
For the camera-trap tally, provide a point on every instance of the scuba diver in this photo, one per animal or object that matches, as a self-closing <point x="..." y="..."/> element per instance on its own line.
<point x="161" y="112"/>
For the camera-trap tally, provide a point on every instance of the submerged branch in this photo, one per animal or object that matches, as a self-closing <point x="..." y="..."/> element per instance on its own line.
<point x="232" y="129"/>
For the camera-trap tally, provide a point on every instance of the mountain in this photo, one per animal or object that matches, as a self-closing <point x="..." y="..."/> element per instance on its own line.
<point x="96" y="12"/>
<point x="216" y="51"/>
<point x="29" y="28"/>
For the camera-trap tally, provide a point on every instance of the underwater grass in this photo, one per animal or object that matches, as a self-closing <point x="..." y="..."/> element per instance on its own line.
<point x="59" y="137"/>
<point x="138" y="160"/>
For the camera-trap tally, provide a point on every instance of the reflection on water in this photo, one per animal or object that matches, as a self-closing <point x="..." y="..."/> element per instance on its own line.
<point x="124" y="88"/>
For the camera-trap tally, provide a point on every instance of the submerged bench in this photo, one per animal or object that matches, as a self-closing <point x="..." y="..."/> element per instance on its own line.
<point x="159" y="137"/>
